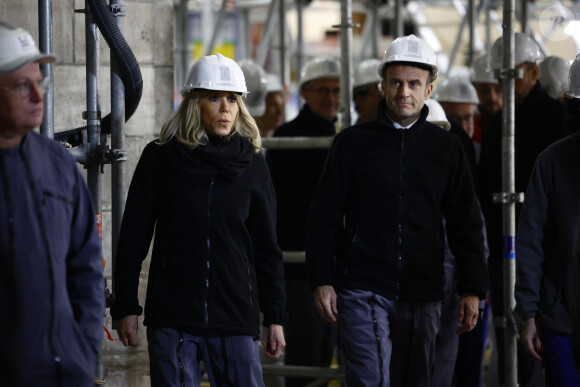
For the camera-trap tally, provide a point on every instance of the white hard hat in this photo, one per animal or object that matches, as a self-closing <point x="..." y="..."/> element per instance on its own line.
<point x="574" y="79"/>
<point x="274" y="84"/>
<point x="366" y="73"/>
<point x="481" y="71"/>
<point x="320" y="67"/>
<point x="456" y="90"/>
<point x="257" y="87"/>
<point x="526" y="50"/>
<point x="554" y="75"/>
<point x="409" y="49"/>
<point x="17" y="48"/>
<point x="437" y="114"/>
<point x="215" y="72"/>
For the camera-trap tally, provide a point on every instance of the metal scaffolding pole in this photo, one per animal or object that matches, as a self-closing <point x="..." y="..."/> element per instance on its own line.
<point x="524" y="16"/>
<point x="472" y="24"/>
<point x="180" y="49"/>
<point x="246" y="34"/>
<point x="508" y="197"/>
<point x="299" y="38"/>
<point x="370" y="33"/>
<point x="397" y="22"/>
<point x="45" y="45"/>
<point x="268" y="32"/>
<point x="93" y="113"/>
<point x="346" y="61"/>
<point x="284" y="65"/>
<point x="118" y="189"/>
<point x="488" y="42"/>
<point x="217" y="27"/>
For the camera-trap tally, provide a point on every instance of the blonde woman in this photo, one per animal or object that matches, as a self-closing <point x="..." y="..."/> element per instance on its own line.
<point x="205" y="189"/>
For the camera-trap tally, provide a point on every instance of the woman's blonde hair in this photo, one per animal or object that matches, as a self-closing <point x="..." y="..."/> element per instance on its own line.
<point x="186" y="126"/>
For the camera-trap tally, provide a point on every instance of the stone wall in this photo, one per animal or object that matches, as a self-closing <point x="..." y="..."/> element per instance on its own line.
<point x="148" y="29"/>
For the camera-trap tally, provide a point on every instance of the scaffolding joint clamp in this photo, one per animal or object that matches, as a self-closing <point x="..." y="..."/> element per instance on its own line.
<point x="508" y="197"/>
<point x="118" y="9"/>
<point x="115" y="155"/>
<point x="346" y="25"/>
<point x="500" y="322"/>
<point x="91" y="115"/>
<point x="509" y="74"/>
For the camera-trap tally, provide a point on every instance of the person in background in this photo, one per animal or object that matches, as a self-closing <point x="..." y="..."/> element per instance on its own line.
<point x="459" y="100"/>
<point x="365" y="90"/>
<point x="257" y="85"/>
<point x="295" y="173"/>
<point x="553" y="76"/>
<point x="539" y="121"/>
<point x="375" y="239"/>
<point x="489" y="94"/>
<point x="437" y="114"/>
<point x="204" y="190"/>
<point x="52" y="293"/>
<point x="547" y="236"/>
<point x="275" y="112"/>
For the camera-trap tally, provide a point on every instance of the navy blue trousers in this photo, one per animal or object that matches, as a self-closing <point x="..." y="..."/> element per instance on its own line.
<point x="386" y="342"/>
<point x="558" y="361"/>
<point x="175" y="357"/>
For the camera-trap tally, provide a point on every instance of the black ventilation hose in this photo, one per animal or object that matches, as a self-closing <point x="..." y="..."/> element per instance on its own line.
<point x="128" y="66"/>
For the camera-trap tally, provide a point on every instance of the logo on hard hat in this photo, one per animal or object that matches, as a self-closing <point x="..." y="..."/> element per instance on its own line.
<point x="225" y="75"/>
<point x="25" y="44"/>
<point x="554" y="22"/>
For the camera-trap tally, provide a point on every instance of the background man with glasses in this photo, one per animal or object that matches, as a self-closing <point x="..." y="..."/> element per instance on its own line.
<point x="51" y="273"/>
<point x="295" y="173"/>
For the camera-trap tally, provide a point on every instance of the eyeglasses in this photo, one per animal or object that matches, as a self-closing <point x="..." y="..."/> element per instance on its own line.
<point x="24" y="89"/>
<point x="326" y="91"/>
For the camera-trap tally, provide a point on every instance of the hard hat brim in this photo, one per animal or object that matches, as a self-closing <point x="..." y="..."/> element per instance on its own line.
<point x="23" y="61"/>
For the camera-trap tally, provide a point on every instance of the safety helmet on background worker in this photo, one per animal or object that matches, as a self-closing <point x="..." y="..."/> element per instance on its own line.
<point x="574" y="79"/>
<point x="437" y="114"/>
<point x="481" y="71"/>
<point x="257" y="85"/>
<point x="366" y="73"/>
<point x="526" y="50"/>
<point x="410" y="49"/>
<point x="215" y="72"/>
<point x="554" y="76"/>
<point x="319" y="67"/>
<point x="274" y="84"/>
<point x="17" y="49"/>
<point x="457" y="90"/>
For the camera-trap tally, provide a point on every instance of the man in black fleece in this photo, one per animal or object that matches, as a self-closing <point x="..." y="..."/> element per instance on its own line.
<point x="375" y="241"/>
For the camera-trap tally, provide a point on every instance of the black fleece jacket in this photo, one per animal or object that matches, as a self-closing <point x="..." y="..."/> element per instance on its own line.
<point x="376" y="218"/>
<point x="215" y="253"/>
<point x="295" y="175"/>
<point x="548" y="235"/>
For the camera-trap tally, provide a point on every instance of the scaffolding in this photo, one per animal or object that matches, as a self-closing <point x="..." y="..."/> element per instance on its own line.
<point x="276" y="43"/>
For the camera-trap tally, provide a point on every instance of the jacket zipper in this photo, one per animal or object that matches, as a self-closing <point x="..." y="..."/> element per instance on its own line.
<point x="249" y="279"/>
<point x="45" y="238"/>
<point x="208" y="246"/>
<point x="400" y="212"/>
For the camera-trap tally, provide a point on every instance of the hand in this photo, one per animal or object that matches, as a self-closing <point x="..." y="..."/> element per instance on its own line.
<point x="127" y="330"/>
<point x="325" y="302"/>
<point x="468" y="312"/>
<point x="275" y="342"/>
<point x="530" y="337"/>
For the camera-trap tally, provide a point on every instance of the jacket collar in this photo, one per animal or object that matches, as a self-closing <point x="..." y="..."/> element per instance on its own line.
<point x="384" y="120"/>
